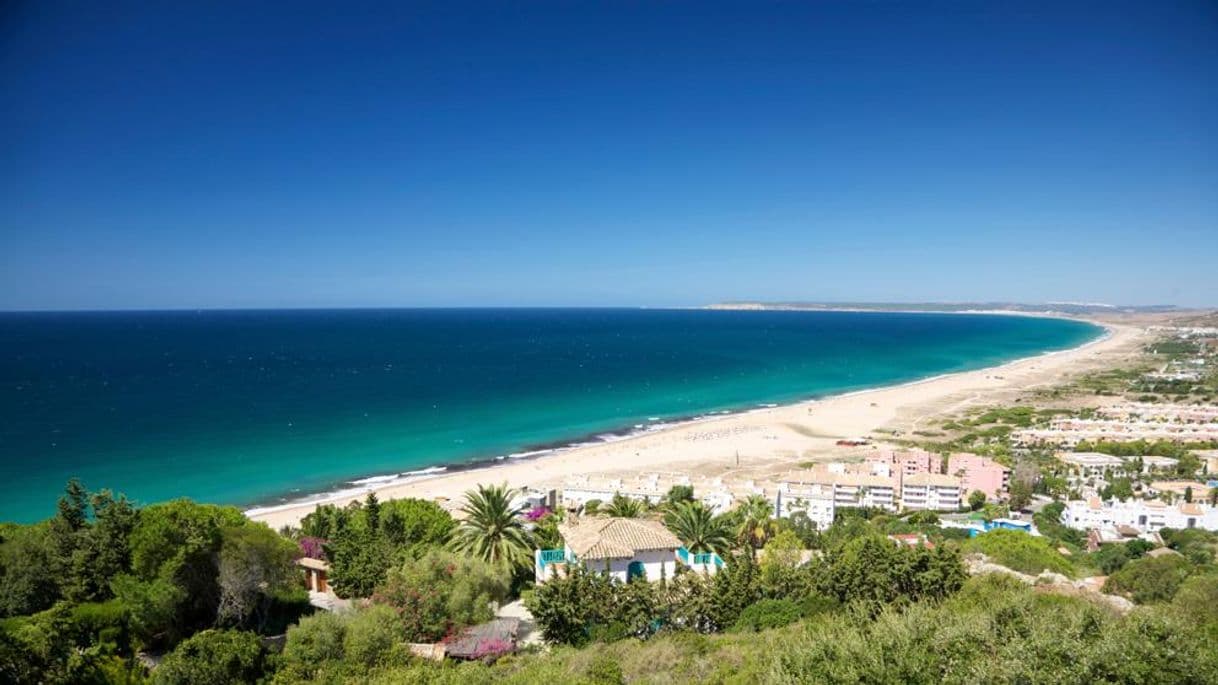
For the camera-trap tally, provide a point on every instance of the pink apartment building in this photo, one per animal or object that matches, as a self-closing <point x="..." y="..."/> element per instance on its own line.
<point x="907" y="462"/>
<point x="979" y="473"/>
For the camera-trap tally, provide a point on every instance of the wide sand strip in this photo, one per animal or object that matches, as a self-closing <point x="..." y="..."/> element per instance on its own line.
<point x="767" y="440"/>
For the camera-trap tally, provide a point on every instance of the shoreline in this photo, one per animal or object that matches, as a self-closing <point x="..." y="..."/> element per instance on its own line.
<point x="550" y="464"/>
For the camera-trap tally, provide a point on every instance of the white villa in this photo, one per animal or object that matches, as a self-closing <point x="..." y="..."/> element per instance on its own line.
<point x="626" y="548"/>
<point x="1141" y="515"/>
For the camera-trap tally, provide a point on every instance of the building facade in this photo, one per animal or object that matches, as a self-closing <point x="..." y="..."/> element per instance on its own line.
<point x="930" y="492"/>
<point x="979" y="474"/>
<point x="1141" y="515"/>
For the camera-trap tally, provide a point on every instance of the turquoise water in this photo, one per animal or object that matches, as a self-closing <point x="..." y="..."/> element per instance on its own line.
<point x="258" y="406"/>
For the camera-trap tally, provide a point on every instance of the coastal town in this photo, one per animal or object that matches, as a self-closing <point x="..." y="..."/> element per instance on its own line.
<point x="1091" y="483"/>
<point x="1085" y="474"/>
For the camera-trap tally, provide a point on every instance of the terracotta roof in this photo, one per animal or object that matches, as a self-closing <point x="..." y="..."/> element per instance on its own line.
<point x="939" y="479"/>
<point x="1191" y="508"/>
<point x="616" y="538"/>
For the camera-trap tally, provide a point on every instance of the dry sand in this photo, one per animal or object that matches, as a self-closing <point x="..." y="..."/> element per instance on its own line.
<point x="768" y="440"/>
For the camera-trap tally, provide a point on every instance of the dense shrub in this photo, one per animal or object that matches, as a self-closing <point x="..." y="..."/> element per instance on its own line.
<point x="316" y="640"/>
<point x="874" y="571"/>
<point x="768" y="613"/>
<point x="1021" y="552"/>
<point x="101" y="623"/>
<point x="1151" y="579"/>
<point x="374" y="637"/>
<point x="998" y="631"/>
<point x="441" y="593"/>
<point x="1197" y="600"/>
<point x="213" y="657"/>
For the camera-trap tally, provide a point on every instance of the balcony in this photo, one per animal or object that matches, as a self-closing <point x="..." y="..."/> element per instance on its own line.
<point x="546" y="557"/>
<point x="707" y="560"/>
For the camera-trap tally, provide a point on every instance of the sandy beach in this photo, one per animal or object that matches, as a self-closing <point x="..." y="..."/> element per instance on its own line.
<point x="764" y="441"/>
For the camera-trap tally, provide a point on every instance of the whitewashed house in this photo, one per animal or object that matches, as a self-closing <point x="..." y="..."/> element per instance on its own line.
<point x="625" y="548"/>
<point x="1141" y="515"/>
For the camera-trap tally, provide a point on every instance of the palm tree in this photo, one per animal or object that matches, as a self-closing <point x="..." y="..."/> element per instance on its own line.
<point x="624" y="507"/>
<point x="492" y="529"/>
<point x="699" y="528"/>
<point x="754" y="522"/>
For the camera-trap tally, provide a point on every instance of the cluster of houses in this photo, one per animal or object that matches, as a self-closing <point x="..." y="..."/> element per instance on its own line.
<point x="1194" y="368"/>
<point x="893" y="480"/>
<point x="1098" y="465"/>
<point x="1125" y="424"/>
<point x="1162" y="502"/>
<point x="1164" y="413"/>
<point x="1115" y="519"/>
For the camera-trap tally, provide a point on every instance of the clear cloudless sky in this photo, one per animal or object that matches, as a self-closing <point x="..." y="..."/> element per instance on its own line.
<point x="223" y="154"/>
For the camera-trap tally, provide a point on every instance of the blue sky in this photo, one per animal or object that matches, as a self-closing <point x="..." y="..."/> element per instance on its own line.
<point x="180" y="154"/>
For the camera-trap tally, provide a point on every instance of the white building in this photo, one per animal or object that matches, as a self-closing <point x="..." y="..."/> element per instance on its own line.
<point x="815" y="503"/>
<point x="579" y="491"/>
<point x="844" y="489"/>
<point x="930" y="491"/>
<point x="625" y="548"/>
<point x="1091" y="464"/>
<point x="1152" y="463"/>
<point x="1141" y="515"/>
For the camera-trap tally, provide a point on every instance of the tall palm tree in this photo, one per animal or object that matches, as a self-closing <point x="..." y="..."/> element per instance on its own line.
<point x="699" y="528"/>
<point x="492" y="529"/>
<point x="755" y="523"/>
<point x="624" y="507"/>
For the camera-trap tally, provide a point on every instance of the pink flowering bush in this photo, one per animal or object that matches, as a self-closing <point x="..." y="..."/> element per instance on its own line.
<point x="313" y="547"/>
<point x="493" y="647"/>
<point x="536" y="513"/>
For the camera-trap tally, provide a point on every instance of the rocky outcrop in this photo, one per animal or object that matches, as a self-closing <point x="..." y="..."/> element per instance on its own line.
<point x="1055" y="583"/>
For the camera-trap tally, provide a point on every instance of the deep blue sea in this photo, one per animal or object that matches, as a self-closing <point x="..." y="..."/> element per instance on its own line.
<point x="248" y="407"/>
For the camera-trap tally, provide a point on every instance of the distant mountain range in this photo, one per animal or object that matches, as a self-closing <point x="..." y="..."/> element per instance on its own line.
<point x="1042" y="308"/>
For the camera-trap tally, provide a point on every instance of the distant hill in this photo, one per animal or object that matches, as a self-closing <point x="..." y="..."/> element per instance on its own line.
<point x="1042" y="308"/>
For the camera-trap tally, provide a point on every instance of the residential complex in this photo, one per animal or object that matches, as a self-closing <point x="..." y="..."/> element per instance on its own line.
<point x="979" y="474"/>
<point x="1142" y="516"/>
<point x="1069" y="432"/>
<point x="1092" y="464"/>
<point x="891" y="480"/>
<point x="930" y="491"/>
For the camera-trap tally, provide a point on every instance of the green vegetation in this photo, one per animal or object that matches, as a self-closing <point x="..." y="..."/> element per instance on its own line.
<point x="1021" y="552"/>
<point x="493" y="530"/>
<point x="624" y="507"/>
<point x="101" y="579"/>
<point x="213" y="657"/>
<point x="993" y="630"/>
<point x="1175" y="348"/>
<point x="1199" y="546"/>
<point x="699" y="529"/>
<point x="441" y="592"/>
<point x="1151" y="579"/>
<point x="363" y="542"/>
<point x="85" y="592"/>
